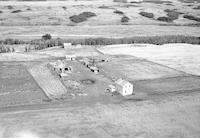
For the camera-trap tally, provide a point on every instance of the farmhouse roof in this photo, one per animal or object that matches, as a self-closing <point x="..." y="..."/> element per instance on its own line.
<point x="122" y="82"/>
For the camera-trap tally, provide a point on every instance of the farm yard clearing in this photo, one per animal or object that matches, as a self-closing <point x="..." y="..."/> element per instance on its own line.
<point x="99" y="68"/>
<point x="158" y="89"/>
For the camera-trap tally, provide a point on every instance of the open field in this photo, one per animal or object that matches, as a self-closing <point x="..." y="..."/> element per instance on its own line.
<point x="18" y="86"/>
<point x="180" y="84"/>
<point x="106" y="31"/>
<point x="182" y="57"/>
<point x="133" y="68"/>
<point x="175" y="116"/>
<point x="31" y="19"/>
<point x="58" y="12"/>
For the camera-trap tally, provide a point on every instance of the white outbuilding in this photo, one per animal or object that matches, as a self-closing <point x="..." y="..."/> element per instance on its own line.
<point x="67" y="45"/>
<point x="124" y="87"/>
<point x="70" y="57"/>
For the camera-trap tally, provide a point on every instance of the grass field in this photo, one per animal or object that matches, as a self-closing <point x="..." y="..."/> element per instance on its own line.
<point x="18" y="86"/>
<point x="178" y="56"/>
<point x="53" y="17"/>
<point x="114" y="31"/>
<point x="136" y="69"/>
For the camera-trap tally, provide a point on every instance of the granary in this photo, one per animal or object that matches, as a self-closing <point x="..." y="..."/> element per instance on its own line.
<point x="94" y="69"/>
<point x="124" y="87"/>
<point x="67" y="45"/>
<point x="70" y="57"/>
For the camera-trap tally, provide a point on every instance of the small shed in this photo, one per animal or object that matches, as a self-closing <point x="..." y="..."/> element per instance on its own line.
<point x="94" y="69"/>
<point x="70" y="57"/>
<point x="124" y="87"/>
<point x="111" y="88"/>
<point x="67" y="45"/>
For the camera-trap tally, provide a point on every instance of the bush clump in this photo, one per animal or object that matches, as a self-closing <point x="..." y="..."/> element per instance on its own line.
<point x="46" y="37"/>
<point x="28" y="9"/>
<point x="10" y="41"/>
<point x="165" y="19"/>
<point x="118" y="12"/>
<point x="16" y="11"/>
<point x="9" y="7"/>
<point x="197" y="8"/>
<point x="64" y="8"/>
<point x="191" y="17"/>
<point x="6" y="49"/>
<point x="147" y="14"/>
<point x="82" y="17"/>
<point x="1" y="11"/>
<point x="104" y="7"/>
<point x="125" y="19"/>
<point x="172" y="14"/>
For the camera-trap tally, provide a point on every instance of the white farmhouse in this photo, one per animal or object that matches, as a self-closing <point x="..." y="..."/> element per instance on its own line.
<point x="124" y="87"/>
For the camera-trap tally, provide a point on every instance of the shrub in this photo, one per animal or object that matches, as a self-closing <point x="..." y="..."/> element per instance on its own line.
<point x="104" y="7"/>
<point x="118" y="12"/>
<point x="87" y="14"/>
<point x="5" y="49"/>
<point x="46" y="37"/>
<point x="197" y="8"/>
<point x="9" y="7"/>
<point x="81" y="17"/>
<point x="64" y="8"/>
<point x="1" y="11"/>
<point x="28" y="9"/>
<point x="172" y="14"/>
<point x="10" y="41"/>
<point x="16" y="11"/>
<point x="191" y="17"/>
<point x="147" y="14"/>
<point x="77" y="18"/>
<point x="165" y="19"/>
<point x="125" y="19"/>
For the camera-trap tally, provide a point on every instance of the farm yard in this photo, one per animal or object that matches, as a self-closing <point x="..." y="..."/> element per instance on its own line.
<point x="65" y="67"/>
<point x="159" y="89"/>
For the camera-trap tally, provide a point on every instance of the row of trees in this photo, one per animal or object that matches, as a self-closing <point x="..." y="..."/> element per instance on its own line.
<point x="47" y="41"/>
<point x="6" y="49"/>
